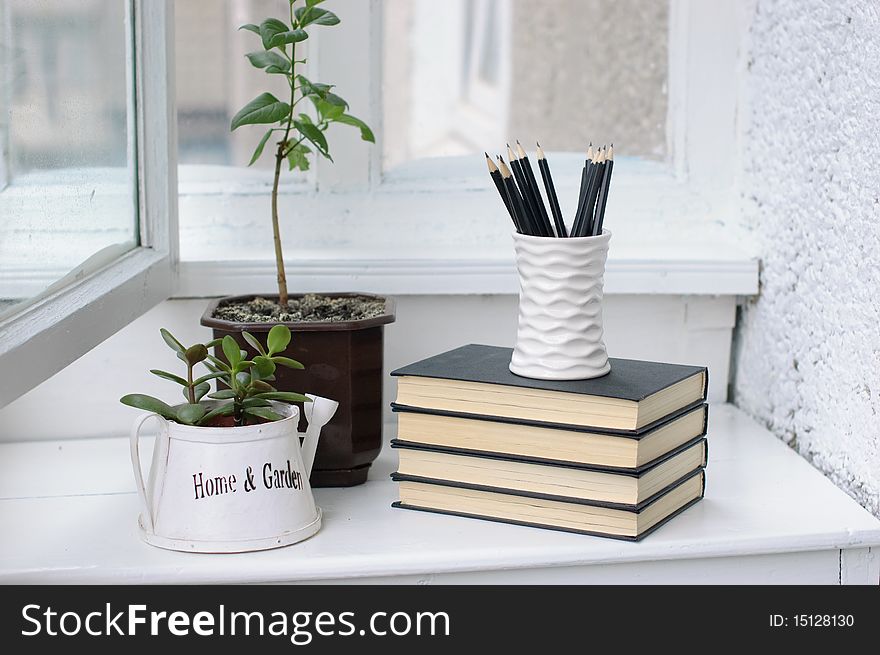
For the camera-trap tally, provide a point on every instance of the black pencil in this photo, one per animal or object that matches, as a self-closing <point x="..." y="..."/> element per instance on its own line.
<point x="551" y="193"/>
<point x="515" y="198"/>
<point x="499" y="184"/>
<point x="603" y="193"/>
<point x="528" y="201"/>
<point x="587" y="175"/>
<point x="534" y="191"/>
<point x="587" y="224"/>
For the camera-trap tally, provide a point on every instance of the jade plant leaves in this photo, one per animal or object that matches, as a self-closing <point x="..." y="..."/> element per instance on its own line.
<point x="190" y="414"/>
<point x="231" y="350"/>
<point x="278" y="339"/>
<point x="247" y="393"/>
<point x="150" y="404"/>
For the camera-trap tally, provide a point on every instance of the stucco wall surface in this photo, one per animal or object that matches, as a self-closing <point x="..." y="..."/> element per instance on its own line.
<point x="808" y="353"/>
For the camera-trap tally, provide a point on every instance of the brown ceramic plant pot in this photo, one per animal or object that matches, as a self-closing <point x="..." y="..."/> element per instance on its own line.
<point x="343" y="361"/>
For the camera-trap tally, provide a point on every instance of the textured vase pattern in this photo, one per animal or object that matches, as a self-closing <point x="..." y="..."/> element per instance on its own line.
<point x="559" y="334"/>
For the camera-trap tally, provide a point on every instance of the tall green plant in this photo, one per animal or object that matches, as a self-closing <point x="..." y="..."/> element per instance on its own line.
<point x="297" y="129"/>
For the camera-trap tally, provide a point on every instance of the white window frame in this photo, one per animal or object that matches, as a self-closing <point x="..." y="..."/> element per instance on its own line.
<point x="47" y="335"/>
<point x="697" y="183"/>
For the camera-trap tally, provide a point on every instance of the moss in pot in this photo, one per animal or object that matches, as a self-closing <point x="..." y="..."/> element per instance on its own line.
<point x="341" y="335"/>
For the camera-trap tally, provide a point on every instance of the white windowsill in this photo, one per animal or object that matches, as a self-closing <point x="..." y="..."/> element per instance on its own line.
<point x="69" y="515"/>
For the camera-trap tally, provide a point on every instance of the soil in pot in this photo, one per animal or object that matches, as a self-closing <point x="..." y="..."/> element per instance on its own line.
<point x="310" y="307"/>
<point x="339" y="339"/>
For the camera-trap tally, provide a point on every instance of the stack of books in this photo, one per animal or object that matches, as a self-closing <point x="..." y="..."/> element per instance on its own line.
<point x="616" y="456"/>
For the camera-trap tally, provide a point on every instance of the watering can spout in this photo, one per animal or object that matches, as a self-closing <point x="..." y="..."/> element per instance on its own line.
<point x="318" y="414"/>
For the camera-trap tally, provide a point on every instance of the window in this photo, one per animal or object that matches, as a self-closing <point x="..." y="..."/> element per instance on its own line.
<point x="559" y="72"/>
<point x="68" y="156"/>
<point x="86" y="223"/>
<point x="440" y="83"/>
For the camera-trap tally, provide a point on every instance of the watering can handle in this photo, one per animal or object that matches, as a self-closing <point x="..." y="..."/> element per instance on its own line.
<point x="318" y="413"/>
<point x="147" y="514"/>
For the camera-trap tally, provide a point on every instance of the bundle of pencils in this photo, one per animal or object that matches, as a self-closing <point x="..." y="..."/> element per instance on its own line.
<point x="521" y="196"/>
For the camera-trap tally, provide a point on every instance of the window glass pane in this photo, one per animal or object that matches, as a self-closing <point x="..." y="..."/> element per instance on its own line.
<point x="214" y="80"/>
<point x="463" y="76"/>
<point x="67" y="199"/>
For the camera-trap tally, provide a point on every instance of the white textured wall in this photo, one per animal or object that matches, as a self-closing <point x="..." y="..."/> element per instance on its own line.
<point x="808" y="360"/>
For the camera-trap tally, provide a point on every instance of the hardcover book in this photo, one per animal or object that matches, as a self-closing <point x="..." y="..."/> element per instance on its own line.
<point x="625" y="489"/>
<point x="547" y="442"/>
<point x="474" y="380"/>
<point x="584" y="517"/>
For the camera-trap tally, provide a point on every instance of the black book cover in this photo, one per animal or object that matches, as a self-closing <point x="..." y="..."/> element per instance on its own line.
<point x="545" y="526"/>
<point x="629" y="379"/>
<point x="631" y="472"/>
<point x="638" y="433"/>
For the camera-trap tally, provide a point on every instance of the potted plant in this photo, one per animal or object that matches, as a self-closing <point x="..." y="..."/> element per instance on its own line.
<point x="228" y="472"/>
<point x="343" y="332"/>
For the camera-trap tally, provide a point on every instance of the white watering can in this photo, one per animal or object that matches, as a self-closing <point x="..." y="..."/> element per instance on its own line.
<point x="231" y="489"/>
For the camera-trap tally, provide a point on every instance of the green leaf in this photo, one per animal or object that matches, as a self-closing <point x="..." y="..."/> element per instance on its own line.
<point x="190" y="414"/>
<point x="278" y="339"/>
<point x="264" y="366"/>
<point x="206" y="378"/>
<point x="231" y="350"/>
<point x="255" y="402"/>
<point x="269" y="28"/>
<point x="366" y="132"/>
<point x="150" y="404"/>
<point x="223" y="394"/>
<point x="308" y="15"/>
<point x="286" y="361"/>
<point x="264" y="59"/>
<point x="312" y="133"/>
<point x="224" y="410"/>
<point x="165" y="375"/>
<point x="292" y="36"/>
<point x="263" y="412"/>
<point x="326" y="109"/>
<point x="335" y="100"/>
<point x="195" y="354"/>
<point x="298" y="157"/>
<point x="254" y="342"/>
<point x="219" y="363"/>
<point x="286" y="396"/>
<point x="250" y="27"/>
<point x="201" y="389"/>
<point x="259" y="385"/>
<point x="259" y="149"/>
<point x="213" y="343"/>
<point x="173" y="343"/>
<point x="263" y="109"/>
<point x="312" y="3"/>
<point x="307" y="87"/>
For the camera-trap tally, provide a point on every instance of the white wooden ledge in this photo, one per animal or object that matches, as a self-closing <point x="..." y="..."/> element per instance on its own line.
<point x="68" y="509"/>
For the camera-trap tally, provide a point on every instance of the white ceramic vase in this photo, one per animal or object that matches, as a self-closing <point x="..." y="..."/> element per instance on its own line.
<point x="559" y="333"/>
<point x="231" y="489"/>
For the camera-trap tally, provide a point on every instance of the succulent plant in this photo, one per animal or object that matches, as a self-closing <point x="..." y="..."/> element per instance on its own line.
<point x="247" y="392"/>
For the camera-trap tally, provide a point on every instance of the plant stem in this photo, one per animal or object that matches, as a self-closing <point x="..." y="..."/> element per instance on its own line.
<point x="276" y="232"/>
<point x="191" y="392"/>
<point x="279" y="159"/>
